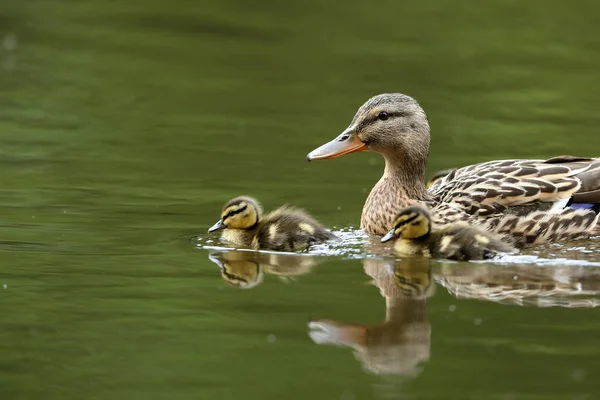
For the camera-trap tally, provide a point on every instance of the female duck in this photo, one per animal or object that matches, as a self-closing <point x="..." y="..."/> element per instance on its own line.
<point x="506" y="196"/>
<point x="457" y="241"/>
<point x="284" y="229"/>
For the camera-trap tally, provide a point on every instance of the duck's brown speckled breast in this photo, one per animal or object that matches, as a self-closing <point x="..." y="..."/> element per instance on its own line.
<point x="383" y="204"/>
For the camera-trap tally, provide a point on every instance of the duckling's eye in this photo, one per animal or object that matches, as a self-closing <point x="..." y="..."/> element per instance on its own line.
<point x="383" y="116"/>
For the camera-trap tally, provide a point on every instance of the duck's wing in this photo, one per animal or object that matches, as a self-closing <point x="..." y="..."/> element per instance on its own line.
<point x="523" y="197"/>
<point x="520" y="186"/>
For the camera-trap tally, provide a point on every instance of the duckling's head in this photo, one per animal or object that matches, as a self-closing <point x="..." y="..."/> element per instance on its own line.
<point x="240" y="213"/>
<point x="412" y="222"/>
<point x="392" y="124"/>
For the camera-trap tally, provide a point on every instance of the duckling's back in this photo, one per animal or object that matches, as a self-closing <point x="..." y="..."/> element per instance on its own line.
<point x="290" y="229"/>
<point x="463" y="242"/>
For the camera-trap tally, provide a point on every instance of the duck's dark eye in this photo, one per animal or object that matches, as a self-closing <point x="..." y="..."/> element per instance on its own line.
<point x="383" y="116"/>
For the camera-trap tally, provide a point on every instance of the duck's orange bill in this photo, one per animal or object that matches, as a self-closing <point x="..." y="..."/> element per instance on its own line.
<point x="347" y="142"/>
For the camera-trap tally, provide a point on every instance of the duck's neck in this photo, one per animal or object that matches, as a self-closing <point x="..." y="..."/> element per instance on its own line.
<point x="402" y="183"/>
<point x="405" y="174"/>
<point x="405" y="310"/>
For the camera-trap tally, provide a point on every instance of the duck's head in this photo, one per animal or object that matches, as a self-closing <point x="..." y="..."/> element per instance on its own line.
<point x="411" y="222"/>
<point x="392" y="124"/>
<point x="240" y="213"/>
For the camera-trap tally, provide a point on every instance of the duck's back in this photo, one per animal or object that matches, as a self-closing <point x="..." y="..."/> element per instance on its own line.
<point x="533" y="200"/>
<point x="290" y="229"/>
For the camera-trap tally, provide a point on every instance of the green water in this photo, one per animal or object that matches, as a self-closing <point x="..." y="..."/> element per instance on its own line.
<point x="125" y="125"/>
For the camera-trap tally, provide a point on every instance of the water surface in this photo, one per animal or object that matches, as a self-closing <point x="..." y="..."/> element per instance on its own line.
<point x="124" y="127"/>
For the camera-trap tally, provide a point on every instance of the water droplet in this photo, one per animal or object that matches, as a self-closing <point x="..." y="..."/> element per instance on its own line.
<point x="477" y="321"/>
<point x="452" y="308"/>
<point x="271" y="338"/>
<point x="578" y="374"/>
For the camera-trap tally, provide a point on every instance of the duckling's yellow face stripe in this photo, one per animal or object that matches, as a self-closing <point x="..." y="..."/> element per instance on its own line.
<point x="401" y="222"/>
<point x="411" y="226"/>
<point x="233" y="209"/>
<point x="239" y="216"/>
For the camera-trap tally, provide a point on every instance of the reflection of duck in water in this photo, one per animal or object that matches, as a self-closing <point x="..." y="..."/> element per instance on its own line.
<point x="246" y="269"/>
<point x="284" y="229"/>
<point x="415" y="235"/>
<point x="531" y="285"/>
<point x="400" y="343"/>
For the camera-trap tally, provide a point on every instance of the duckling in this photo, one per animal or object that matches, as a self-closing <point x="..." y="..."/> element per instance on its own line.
<point x="456" y="241"/>
<point x="284" y="229"/>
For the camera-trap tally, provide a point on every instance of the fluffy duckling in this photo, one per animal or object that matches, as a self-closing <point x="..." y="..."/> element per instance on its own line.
<point x="284" y="229"/>
<point x="456" y="241"/>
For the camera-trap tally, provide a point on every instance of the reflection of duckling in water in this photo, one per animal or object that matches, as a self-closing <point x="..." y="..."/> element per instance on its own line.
<point x="246" y="269"/>
<point x="456" y="241"/>
<point x="402" y="342"/>
<point x="284" y="229"/>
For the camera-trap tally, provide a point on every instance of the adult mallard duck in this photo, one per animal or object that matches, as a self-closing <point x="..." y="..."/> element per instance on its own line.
<point x="284" y="229"/>
<point x="536" y="200"/>
<point x="458" y="241"/>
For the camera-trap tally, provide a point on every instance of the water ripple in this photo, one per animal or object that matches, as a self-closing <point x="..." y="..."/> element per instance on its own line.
<point x="354" y="243"/>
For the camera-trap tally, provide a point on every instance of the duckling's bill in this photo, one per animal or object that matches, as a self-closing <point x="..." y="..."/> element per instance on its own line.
<point x="389" y="236"/>
<point x="347" y="142"/>
<point x="218" y="226"/>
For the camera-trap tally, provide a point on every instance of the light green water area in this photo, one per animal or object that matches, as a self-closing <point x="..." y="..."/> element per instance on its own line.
<point x="124" y="127"/>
